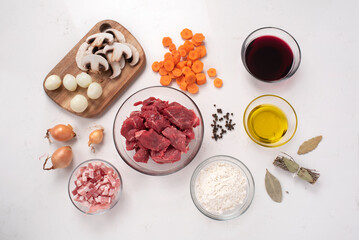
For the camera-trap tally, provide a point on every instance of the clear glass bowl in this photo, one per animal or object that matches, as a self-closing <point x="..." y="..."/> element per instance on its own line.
<point x="279" y="33"/>
<point x="165" y="94"/>
<point x="72" y="186"/>
<point x="287" y="109"/>
<point x="238" y="210"/>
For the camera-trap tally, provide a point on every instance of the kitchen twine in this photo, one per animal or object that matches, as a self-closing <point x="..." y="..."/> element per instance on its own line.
<point x="294" y="174"/>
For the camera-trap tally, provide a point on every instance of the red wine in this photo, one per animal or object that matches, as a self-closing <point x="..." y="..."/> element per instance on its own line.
<point x="269" y="58"/>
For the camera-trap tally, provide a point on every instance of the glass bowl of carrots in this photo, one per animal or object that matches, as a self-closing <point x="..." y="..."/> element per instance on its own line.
<point x="151" y="167"/>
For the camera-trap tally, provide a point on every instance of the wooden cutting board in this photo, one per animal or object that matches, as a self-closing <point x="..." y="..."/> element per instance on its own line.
<point x="111" y="88"/>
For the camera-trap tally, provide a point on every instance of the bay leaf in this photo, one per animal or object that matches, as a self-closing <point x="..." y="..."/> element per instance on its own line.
<point x="273" y="187"/>
<point x="309" y="145"/>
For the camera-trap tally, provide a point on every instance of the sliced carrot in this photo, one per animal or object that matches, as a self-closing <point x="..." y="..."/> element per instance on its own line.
<point x="172" y="47"/>
<point x="163" y="71"/>
<point x="179" y="80"/>
<point x="188" y="45"/>
<point x="168" y="56"/>
<point x="166" y="41"/>
<point x="171" y="75"/>
<point x="174" y="52"/>
<point x="161" y="64"/>
<point x="196" y="43"/>
<point x="202" y="51"/>
<point x="212" y="72"/>
<point x="155" y="66"/>
<point x="197" y="66"/>
<point x="218" y="82"/>
<point x="165" y="80"/>
<point x="176" y="58"/>
<point x="186" y="70"/>
<point x="168" y="65"/>
<point x="198" y="38"/>
<point x="193" y="55"/>
<point x="201" y="78"/>
<point x="181" y="65"/>
<point x="189" y="63"/>
<point x="177" y="72"/>
<point x="192" y="88"/>
<point x="190" y="78"/>
<point x="183" y="85"/>
<point x="186" y="34"/>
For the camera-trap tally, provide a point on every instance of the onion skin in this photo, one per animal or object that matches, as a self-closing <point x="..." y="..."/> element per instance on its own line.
<point x="61" y="158"/>
<point x="61" y="133"/>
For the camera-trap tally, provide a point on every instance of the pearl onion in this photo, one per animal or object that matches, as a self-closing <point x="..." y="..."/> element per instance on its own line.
<point x="94" y="91"/>
<point x="69" y="82"/>
<point x="78" y="103"/>
<point x="83" y="80"/>
<point x="53" y="82"/>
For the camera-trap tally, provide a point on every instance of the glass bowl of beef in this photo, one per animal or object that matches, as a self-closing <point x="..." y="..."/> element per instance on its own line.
<point x="158" y="130"/>
<point x="95" y="186"/>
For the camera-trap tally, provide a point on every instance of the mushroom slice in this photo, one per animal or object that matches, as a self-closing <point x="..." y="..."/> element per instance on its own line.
<point x="98" y="39"/>
<point x="94" y="63"/>
<point x="83" y="51"/>
<point x="135" y="55"/>
<point x="119" y="37"/>
<point x="118" y="49"/>
<point x="116" y="66"/>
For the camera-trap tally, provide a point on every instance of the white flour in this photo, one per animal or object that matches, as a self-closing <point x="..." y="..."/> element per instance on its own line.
<point x="220" y="187"/>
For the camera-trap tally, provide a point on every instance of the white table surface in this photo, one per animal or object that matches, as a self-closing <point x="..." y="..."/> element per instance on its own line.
<point x="34" y="204"/>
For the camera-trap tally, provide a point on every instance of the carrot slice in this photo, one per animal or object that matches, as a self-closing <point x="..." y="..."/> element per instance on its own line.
<point x="197" y="66"/>
<point x="161" y="64"/>
<point x="166" y="41"/>
<point x="176" y="58"/>
<point x="201" y="78"/>
<point x="168" y="65"/>
<point x="212" y="72"/>
<point x="163" y="71"/>
<point x="165" y="80"/>
<point x="198" y="38"/>
<point x="168" y="56"/>
<point x="193" y="55"/>
<point x="171" y="75"/>
<point x="186" y="34"/>
<point x="177" y="72"/>
<point x="189" y="63"/>
<point x="218" y="82"/>
<point x="188" y="45"/>
<point x="192" y="88"/>
<point x="196" y="43"/>
<point x="172" y="47"/>
<point x="190" y="78"/>
<point x="181" y="65"/>
<point x="155" y="66"/>
<point x="183" y="86"/>
<point x="179" y="80"/>
<point x="186" y="70"/>
<point x="202" y="51"/>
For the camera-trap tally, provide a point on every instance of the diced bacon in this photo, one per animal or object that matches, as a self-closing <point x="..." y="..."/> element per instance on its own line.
<point x="118" y="183"/>
<point x="91" y="173"/>
<point x="90" y="166"/>
<point x="78" y="183"/>
<point x="82" y="190"/>
<point x="90" y="193"/>
<point x="91" y="200"/>
<point x="105" y="191"/>
<point x="98" y="207"/>
<point x="111" y="192"/>
<point x="112" y="180"/>
<point x="74" y="192"/>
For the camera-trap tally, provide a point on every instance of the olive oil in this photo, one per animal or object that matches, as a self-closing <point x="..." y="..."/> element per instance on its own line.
<point x="267" y="123"/>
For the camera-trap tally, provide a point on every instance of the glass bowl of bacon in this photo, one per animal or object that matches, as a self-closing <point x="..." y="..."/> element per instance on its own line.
<point x="95" y="186"/>
<point x="158" y="130"/>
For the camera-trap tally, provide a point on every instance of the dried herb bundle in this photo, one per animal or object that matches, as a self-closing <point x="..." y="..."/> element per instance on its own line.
<point x="290" y="165"/>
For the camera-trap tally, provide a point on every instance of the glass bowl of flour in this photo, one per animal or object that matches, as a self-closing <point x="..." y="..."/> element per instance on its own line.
<point x="222" y="187"/>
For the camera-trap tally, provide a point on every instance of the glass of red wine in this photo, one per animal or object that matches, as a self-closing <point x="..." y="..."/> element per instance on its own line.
<point x="271" y="54"/>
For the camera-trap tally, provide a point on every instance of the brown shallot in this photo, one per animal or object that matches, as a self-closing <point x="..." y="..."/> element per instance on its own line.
<point x="95" y="137"/>
<point x="60" y="133"/>
<point x="61" y="158"/>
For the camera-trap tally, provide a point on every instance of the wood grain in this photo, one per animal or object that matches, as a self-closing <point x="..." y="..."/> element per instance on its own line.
<point x="112" y="88"/>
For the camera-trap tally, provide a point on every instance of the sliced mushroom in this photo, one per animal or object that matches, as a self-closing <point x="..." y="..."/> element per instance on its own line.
<point x="99" y="39"/>
<point x="94" y="63"/>
<point x="119" y="37"/>
<point x="116" y="66"/>
<point x="118" y="49"/>
<point x="135" y="55"/>
<point x="122" y="62"/>
<point x="80" y="54"/>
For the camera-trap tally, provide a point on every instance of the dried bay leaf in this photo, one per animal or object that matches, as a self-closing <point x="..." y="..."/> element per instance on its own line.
<point x="273" y="187"/>
<point x="309" y="145"/>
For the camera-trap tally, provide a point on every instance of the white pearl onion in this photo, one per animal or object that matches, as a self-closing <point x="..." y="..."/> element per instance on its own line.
<point x="78" y="103"/>
<point x="94" y="91"/>
<point x="83" y="80"/>
<point x="69" y="82"/>
<point x="53" y="82"/>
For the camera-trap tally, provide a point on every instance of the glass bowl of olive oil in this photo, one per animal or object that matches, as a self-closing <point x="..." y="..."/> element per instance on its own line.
<point x="270" y="121"/>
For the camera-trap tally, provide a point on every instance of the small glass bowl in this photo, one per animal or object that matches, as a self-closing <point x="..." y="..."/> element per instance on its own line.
<point x="72" y="186"/>
<point x="281" y="103"/>
<point x="279" y="33"/>
<point x="165" y="94"/>
<point x="238" y="210"/>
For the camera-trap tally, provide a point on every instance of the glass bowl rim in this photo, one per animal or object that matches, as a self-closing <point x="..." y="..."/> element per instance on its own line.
<point x="118" y="194"/>
<point x="263" y="144"/>
<point x="244" y="169"/>
<point x="281" y="30"/>
<point x="167" y="172"/>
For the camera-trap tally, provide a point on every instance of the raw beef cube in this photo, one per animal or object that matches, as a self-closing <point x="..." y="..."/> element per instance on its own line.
<point x="152" y="140"/>
<point x="181" y="116"/>
<point x="158" y="155"/>
<point x="131" y="145"/>
<point x="141" y="155"/>
<point x="171" y="155"/>
<point x="154" y="104"/>
<point x="155" y="120"/>
<point x="130" y="126"/>
<point x="176" y="137"/>
<point x="135" y="113"/>
<point x="189" y="133"/>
